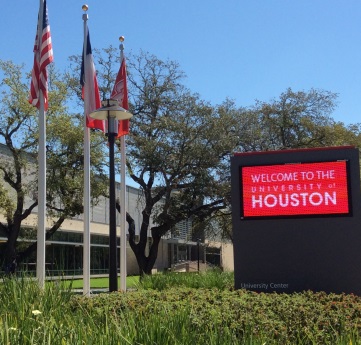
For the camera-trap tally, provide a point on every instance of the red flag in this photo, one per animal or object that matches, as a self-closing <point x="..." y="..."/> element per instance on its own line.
<point x="89" y="82"/>
<point x="43" y="56"/>
<point x="120" y="93"/>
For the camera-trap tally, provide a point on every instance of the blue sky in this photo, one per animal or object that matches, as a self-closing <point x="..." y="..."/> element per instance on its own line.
<point x="240" y="49"/>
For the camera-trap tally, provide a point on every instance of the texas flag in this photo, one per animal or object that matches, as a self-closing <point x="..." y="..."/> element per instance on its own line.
<point x="90" y="89"/>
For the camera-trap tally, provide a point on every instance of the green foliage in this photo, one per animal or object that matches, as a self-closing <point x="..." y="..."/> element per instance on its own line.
<point x="206" y="280"/>
<point x="30" y="315"/>
<point x="301" y="119"/>
<point x="245" y="317"/>
<point x="177" y="315"/>
<point x="6" y="203"/>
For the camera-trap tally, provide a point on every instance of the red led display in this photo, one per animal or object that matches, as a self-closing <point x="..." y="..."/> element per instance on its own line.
<point x="295" y="189"/>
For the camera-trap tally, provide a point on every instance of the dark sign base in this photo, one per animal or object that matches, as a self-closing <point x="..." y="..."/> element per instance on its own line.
<point x="300" y="257"/>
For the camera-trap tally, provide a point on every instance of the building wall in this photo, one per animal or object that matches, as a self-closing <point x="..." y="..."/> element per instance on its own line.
<point x="226" y="254"/>
<point x="227" y="257"/>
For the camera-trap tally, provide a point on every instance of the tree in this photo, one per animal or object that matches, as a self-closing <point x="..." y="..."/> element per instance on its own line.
<point x="177" y="149"/>
<point x="301" y="119"/>
<point x="176" y="152"/>
<point x="18" y="168"/>
<point x="295" y="120"/>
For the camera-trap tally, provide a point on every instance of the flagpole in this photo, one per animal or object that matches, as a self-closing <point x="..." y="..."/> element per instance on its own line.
<point x="86" y="238"/>
<point x="40" y="253"/>
<point x="123" y="233"/>
<point x="40" y="261"/>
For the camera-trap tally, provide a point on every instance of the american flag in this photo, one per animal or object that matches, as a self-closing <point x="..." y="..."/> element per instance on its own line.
<point x="120" y="93"/>
<point x="43" y="56"/>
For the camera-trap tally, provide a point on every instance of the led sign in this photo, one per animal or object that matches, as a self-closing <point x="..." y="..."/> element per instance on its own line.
<point x="302" y="189"/>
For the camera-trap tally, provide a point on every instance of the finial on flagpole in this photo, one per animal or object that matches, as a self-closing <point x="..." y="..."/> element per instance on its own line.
<point x="121" y="39"/>
<point x="85" y="15"/>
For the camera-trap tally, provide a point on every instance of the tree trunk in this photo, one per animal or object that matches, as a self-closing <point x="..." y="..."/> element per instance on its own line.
<point x="145" y="263"/>
<point x="32" y="247"/>
<point x="10" y="259"/>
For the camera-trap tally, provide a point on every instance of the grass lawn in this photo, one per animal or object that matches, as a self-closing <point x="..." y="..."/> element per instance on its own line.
<point x="102" y="283"/>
